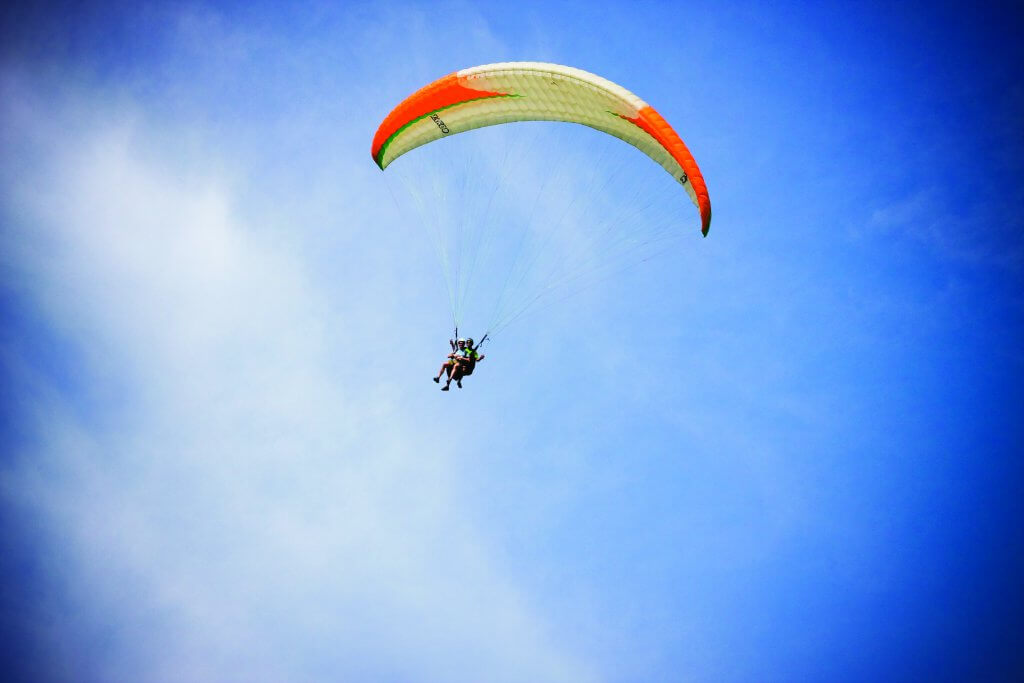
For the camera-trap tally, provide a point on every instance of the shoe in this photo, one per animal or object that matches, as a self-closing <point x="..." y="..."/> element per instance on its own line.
<point x="437" y="380"/>
<point x="459" y="382"/>
<point x="444" y="388"/>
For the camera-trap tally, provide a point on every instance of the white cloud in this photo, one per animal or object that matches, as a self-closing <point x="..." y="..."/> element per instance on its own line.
<point x="957" y="228"/>
<point x="247" y="506"/>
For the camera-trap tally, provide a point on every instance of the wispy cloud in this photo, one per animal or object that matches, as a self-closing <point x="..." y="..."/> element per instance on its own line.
<point x="241" y="512"/>
<point x="961" y="231"/>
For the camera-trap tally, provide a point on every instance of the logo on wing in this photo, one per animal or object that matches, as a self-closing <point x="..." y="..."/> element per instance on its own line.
<point x="440" y="124"/>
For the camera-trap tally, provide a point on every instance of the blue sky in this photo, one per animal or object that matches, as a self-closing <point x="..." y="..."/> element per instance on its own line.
<point x="786" y="452"/>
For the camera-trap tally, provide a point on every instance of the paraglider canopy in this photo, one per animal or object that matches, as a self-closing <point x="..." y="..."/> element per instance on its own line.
<point x="535" y="91"/>
<point x="535" y="211"/>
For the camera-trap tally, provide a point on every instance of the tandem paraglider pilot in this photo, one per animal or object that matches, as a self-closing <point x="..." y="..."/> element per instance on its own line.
<point x="460" y="363"/>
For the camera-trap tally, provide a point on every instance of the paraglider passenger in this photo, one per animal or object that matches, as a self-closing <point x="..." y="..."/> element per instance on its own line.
<point x="458" y="349"/>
